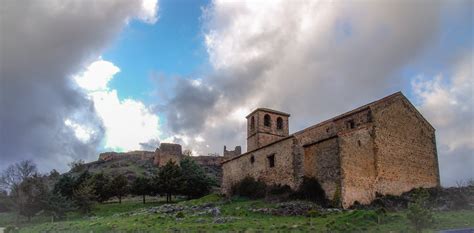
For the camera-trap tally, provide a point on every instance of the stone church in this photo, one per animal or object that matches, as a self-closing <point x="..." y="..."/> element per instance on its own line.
<point x="384" y="147"/>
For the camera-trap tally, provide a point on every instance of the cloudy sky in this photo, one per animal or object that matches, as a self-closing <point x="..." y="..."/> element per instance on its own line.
<point x="82" y="77"/>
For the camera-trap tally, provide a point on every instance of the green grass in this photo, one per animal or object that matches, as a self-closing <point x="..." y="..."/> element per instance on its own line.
<point x="128" y="217"/>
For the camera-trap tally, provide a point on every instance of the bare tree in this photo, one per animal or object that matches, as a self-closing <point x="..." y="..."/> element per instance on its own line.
<point x="17" y="173"/>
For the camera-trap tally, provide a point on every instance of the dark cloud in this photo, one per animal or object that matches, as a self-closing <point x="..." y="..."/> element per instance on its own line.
<point x="187" y="110"/>
<point x="42" y="44"/>
<point x="311" y="59"/>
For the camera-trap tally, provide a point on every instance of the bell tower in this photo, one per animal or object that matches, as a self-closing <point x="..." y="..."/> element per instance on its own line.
<point x="265" y="126"/>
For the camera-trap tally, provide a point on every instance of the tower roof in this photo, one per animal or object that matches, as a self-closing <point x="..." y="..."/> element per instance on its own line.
<point x="269" y="111"/>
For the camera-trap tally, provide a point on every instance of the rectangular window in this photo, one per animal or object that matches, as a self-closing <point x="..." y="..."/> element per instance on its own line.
<point x="350" y="124"/>
<point x="271" y="160"/>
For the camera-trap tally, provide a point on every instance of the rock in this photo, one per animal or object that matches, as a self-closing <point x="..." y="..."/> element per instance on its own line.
<point x="215" y="211"/>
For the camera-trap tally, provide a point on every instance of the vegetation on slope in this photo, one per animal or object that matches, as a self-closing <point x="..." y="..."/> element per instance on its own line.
<point x="214" y="214"/>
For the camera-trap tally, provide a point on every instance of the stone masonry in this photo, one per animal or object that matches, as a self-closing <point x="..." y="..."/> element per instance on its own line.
<point x="384" y="147"/>
<point x="232" y="153"/>
<point x="168" y="152"/>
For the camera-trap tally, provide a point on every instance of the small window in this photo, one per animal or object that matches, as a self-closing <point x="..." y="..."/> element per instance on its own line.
<point x="359" y="143"/>
<point x="271" y="160"/>
<point x="252" y="122"/>
<point x="267" y="120"/>
<point x="279" y="123"/>
<point x="252" y="159"/>
<point x="350" y="124"/>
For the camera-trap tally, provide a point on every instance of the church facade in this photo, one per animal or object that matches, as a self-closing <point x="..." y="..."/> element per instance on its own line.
<point x="384" y="147"/>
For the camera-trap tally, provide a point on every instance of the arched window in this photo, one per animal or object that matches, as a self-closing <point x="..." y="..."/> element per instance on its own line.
<point x="267" y="121"/>
<point x="252" y="122"/>
<point x="279" y="123"/>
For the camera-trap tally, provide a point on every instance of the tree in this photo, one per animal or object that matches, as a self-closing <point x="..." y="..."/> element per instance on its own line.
<point x="16" y="174"/>
<point x="77" y="165"/>
<point x="102" y="185"/>
<point x="5" y="201"/>
<point x="187" y="153"/>
<point x="196" y="183"/>
<point x="119" y="187"/>
<point x="30" y="196"/>
<point x="53" y="174"/>
<point x="169" y="180"/>
<point x="141" y="186"/>
<point x="65" y="186"/>
<point x="84" y="196"/>
<point x="58" y="205"/>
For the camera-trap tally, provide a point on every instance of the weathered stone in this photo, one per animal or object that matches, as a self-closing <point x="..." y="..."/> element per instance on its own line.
<point x="384" y="147"/>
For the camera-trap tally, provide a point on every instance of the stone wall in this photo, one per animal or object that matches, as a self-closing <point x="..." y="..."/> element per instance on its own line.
<point x="208" y="160"/>
<point x="405" y="148"/>
<point x="357" y="166"/>
<point x="321" y="161"/>
<point x="168" y="152"/>
<point x="143" y="155"/>
<point x="232" y="153"/>
<point x="284" y="171"/>
<point x="384" y="147"/>
<point x="261" y="135"/>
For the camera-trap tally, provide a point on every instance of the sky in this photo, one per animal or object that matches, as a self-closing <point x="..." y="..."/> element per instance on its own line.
<point x="82" y="77"/>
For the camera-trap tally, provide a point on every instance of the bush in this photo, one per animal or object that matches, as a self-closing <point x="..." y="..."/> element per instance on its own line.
<point x="11" y="229"/>
<point x="180" y="215"/>
<point x="311" y="190"/>
<point x="419" y="215"/>
<point x="336" y="200"/>
<point x="279" y="189"/>
<point x="249" y="187"/>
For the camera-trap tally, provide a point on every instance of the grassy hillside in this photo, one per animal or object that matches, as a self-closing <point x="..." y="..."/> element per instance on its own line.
<point x="213" y="214"/>
<point x="133" y="167"/>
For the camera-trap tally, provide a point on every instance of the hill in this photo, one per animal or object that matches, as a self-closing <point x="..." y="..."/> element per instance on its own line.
<point x="214" y="214"/>
<point x="134" y="166"/>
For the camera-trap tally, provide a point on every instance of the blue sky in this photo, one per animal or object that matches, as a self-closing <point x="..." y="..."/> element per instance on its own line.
<point x="173" y="47"/>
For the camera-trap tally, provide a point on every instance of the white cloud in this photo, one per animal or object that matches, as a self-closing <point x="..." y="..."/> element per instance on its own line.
<point x="128" y="123"/>
<point x="448" y="103"/>
<point x="97" y="76"/>
<point x="81" y="132"/>
<point x="148" y="12"/>
<point x="313" y="59"/>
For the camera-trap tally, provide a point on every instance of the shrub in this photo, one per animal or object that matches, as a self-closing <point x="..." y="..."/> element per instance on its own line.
<point x="419" y="215"/>
<point x="279" y="189"/>
<point x="278" y="192"/>
<point x="336" y="200"/>
<point x="11" y="229"/>
<point x="180" y="215"/>
<point x="311" y="190"/>
<point x="249" y="187"/>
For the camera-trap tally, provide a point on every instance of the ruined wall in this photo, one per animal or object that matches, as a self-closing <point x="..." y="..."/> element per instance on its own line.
<point x="321" y="161"/>
<point x="357" y="166"/>
<point x="232" y="153"/>
<point x="405" y="148"/>
<point x="168" y="152"/>
<point x="143" y="155"/>
<point x="208" y="160"/>
<point x="284" y="172"/>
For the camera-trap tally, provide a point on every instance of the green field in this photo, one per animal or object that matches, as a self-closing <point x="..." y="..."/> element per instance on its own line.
<point x="213" y="214"/>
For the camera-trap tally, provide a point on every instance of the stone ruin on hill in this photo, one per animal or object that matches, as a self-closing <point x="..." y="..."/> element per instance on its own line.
<point x="173" y="152"/>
